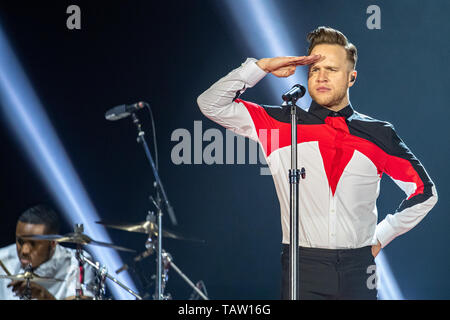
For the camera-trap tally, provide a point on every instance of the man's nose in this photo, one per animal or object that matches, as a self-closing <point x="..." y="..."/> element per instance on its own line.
<point x="322" y="76"/>
<point x="25" y="249"/>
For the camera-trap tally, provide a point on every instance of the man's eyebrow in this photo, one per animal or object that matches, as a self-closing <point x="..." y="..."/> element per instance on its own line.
<point x="23" y="236"/>
<point x="324" y="66"/>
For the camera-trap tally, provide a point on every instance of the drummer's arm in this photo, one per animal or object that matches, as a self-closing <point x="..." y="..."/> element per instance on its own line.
<point x="37" y="292"/>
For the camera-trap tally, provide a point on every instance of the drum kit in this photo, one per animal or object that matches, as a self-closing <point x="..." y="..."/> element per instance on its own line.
<point x="28" y="277"/>
<point x="152" y="227"/>
<point x="80" y="239"/>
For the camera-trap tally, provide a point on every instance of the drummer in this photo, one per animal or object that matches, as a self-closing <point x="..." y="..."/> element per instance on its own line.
<point x="46" y="259"/>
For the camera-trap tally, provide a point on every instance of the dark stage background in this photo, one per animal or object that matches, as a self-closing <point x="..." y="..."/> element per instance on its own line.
<point x="167" y="53"/>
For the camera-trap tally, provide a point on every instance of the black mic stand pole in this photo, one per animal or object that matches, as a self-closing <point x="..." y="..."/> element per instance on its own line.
<point x="294" y="179"/>
<point x="141" y="140"/>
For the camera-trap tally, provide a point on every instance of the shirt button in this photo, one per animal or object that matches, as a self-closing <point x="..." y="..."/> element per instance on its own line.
<point x="333" y="211"/>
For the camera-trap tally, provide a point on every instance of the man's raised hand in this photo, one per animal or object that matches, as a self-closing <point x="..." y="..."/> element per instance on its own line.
<point x="283" y="67"/>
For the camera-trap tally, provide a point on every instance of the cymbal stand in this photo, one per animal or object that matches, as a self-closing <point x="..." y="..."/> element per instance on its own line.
<point x="103" y="272"/>
<point x="194" y="295"/>
<point x="100" y="279"/>
<point x="167" y="263"/>
<point x="27" y="293"/>
<point x="160" y="279"/>
<point x="79" y="228"/>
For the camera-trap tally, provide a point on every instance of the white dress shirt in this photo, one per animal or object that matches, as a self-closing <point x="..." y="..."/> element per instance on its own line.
<point x="344" y="154"/>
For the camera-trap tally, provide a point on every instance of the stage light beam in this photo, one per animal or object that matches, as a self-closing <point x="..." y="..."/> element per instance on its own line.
<point x="27" y="119"/>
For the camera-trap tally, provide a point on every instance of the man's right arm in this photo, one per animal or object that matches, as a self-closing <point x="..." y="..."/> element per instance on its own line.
<point x="218" y="102"/>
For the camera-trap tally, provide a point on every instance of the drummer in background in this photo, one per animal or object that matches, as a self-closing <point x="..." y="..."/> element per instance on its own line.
<point x="47" y="258"/>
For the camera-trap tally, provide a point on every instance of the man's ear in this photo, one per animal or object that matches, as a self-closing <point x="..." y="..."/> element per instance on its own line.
<point x="352" y="79"/>
<point x="52" y="247"/>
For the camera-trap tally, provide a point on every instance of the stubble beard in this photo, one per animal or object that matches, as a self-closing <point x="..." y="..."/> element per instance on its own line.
<point x="329" y="101"/>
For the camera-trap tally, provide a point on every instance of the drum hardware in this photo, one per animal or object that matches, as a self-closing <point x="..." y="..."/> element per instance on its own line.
<point x="159" y="192"/>
<point x="100" y="282"/>
<point x="103" y="274"/>
<point x="201" y="286"/>
<point x="28" y="276"/>
<point x="27" y="293"/>
<point x="79" y="253"/>
<point x="147" y="227"/>
<point x="167" y="262"/>
<point x="154" y="228"/>
<point x="5" y="268"/>
<point x="79" y="238"/>
<point x="78" y="298"/>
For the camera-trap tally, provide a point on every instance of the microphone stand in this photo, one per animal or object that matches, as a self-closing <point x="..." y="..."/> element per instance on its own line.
<point x="160" y="188"/>
<point x="294" y="179"/>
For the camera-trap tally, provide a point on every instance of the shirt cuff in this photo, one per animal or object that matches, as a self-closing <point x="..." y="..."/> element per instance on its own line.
<point x="385" y="233"/>
<point x="251" y="73"/>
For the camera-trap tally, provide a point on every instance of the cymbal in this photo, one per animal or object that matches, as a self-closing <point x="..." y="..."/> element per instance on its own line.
<point x="32" y="277"/>
<point x="146" y="227"/>
<point x="75" y="237"/>
<point x="79" y="298"/>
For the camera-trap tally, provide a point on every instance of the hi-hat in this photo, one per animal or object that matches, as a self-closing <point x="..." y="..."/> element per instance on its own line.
<point x="75" y="237"/>
<point x="146" y="227"/>
<point x="29" y="276"/>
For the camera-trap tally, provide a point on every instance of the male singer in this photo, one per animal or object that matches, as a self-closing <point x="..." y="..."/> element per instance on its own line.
<point x="344" y="153"/>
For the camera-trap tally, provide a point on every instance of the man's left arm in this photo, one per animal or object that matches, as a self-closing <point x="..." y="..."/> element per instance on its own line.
<point x="409" y="174"/>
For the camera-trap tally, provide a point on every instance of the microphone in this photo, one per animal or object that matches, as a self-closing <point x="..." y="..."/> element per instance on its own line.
<point x="123" y="110"/>
<point x="295" y="93"/>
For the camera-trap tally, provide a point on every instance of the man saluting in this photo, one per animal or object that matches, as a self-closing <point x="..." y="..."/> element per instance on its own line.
<point x="344" y="153"/>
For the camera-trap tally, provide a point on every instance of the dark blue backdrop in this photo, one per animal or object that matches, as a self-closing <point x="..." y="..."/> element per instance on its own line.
<point x="167" y="53"/>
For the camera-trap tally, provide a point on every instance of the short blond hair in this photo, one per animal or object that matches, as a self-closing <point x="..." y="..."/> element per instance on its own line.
<point x="327" y="35"/>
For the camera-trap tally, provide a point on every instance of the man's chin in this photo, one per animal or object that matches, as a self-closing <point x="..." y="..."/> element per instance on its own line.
<point x="323" y="102"/>
<point x="326" y="102"/>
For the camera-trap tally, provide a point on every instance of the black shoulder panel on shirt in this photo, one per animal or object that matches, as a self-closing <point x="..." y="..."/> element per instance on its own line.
<point x="383" y="134"/>
<point x="373" y="130"/>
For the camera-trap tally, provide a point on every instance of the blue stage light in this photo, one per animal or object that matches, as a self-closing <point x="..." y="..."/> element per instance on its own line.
<point x="388" y="288"/>
<point x="263" y="28"/>
<point x="27" y="119"/>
